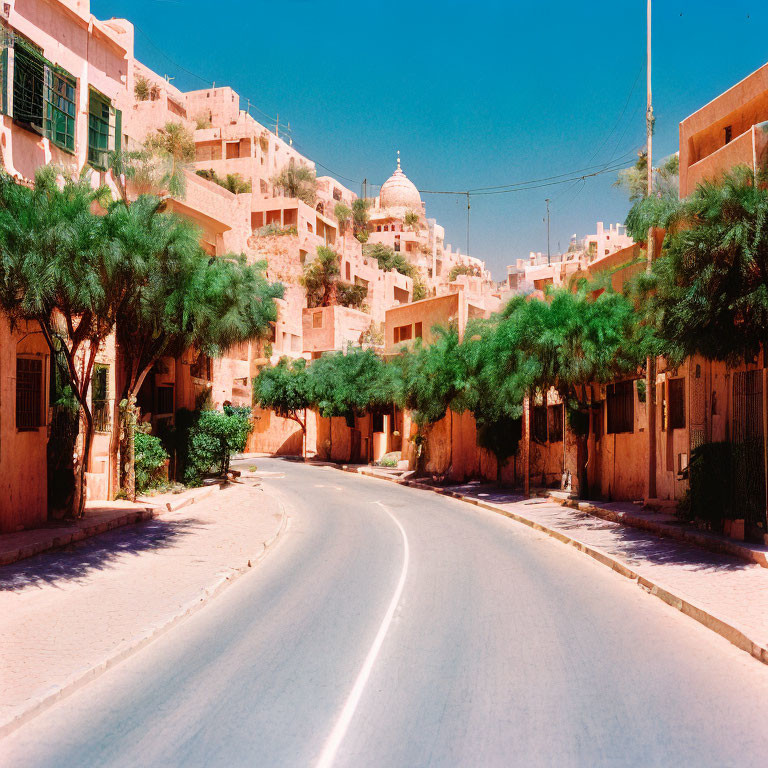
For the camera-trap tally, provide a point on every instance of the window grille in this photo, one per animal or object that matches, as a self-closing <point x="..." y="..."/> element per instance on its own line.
<point x="555" y="423"/>
<point x="539" y="430"/>
<point x="29" y="387"/>
<point x="100" y="398"/>
<point x="620" y="402"/>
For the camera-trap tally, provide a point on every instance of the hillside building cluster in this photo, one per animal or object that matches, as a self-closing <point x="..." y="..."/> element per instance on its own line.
<point x="73" y="91"/>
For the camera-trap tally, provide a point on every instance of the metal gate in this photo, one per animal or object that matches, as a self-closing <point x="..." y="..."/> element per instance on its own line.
<point x="748" y="459"/>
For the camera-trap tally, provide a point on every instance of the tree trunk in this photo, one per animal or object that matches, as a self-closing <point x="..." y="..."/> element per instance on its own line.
<point x="130" y="445"/>
<point x="81" y="485"/>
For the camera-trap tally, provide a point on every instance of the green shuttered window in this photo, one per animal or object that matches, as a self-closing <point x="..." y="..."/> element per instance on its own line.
<point x="43" y="95"/>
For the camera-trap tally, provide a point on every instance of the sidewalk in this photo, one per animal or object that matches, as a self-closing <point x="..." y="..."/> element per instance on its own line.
<point x="69" y="615"/>
<point x="725" y="593"/>
<point x="100" y="516"/>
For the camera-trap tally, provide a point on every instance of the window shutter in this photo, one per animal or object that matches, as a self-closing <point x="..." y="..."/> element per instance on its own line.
<point x="118" y="130"/>
<point x="4" y="76"/>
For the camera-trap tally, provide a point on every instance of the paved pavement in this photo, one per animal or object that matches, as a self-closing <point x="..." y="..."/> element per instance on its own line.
<point x="392" y="627"/>
<point x="100" y="516"/>
<point x="723" y="585"/>
<point x="67" y="612"/>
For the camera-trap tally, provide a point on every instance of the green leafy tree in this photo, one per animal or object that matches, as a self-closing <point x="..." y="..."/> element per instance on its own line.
<point x="650" y="211"/>
<point x="412" y="220"/>
<point x="419" y="286"/>
<point x="388" y="259"/>
<point x="463" y="269"/>
<point x="433" y="379"/>
<point x="360" y="218"/>
<point x="497" y="411"/>
<point x="708" y="293"/>
<point x="320" y="277"/>
<point x="150" y="460"/>
<point x="567" y="341"/>
<point x="343" y="216"/>
<point x="232" y="182"/>
<point x="285" y="389"/>
<point x="322" y="284"/>
<point x="57" y="270"/>
<point x="215" y="436"/>
<point x="297" y="181"/>
<point x="174" y="296"/>
<point x="351" y="295"/>
<point x="353" y="382"/>
<point x="157" y="167"/>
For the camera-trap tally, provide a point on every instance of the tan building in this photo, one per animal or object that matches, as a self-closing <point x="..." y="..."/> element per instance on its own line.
<point x="731" y="130"/>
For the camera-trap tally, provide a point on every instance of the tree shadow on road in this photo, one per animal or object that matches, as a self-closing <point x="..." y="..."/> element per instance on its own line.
<point x="80" y="560"/>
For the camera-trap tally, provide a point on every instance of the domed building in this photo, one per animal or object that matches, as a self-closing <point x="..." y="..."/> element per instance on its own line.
<point x="398" y="191"/>
<point x="398" y="219"/>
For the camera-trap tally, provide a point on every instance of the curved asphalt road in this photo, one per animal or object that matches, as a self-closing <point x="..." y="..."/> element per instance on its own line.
<point x="484" y="644"/>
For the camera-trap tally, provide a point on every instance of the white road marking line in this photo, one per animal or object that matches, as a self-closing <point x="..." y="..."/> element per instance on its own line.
<point x="328" y="755"/>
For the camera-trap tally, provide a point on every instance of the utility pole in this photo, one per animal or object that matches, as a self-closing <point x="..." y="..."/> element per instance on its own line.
<point x="549" y="255"/>
<point x="650" y="363"/>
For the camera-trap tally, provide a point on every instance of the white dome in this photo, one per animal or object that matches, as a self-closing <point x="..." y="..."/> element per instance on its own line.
<point x="398" y="191"/>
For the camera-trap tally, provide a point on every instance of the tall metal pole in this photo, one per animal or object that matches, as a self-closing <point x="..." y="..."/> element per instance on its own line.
<point x="650" y="366"/>
<point x="549" y="257"/>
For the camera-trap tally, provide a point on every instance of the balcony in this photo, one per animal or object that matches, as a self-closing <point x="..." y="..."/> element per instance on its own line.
<point x="739" y="151"/>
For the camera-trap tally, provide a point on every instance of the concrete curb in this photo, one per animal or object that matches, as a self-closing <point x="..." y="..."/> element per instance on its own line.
<point x="697" y="538"/>
<point x="78" y="533"/>
<point x="736" y="635"/>
<point x="85" y="675"/>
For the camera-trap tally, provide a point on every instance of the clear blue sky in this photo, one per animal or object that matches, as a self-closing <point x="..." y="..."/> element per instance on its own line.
<point x="474" y="94"/>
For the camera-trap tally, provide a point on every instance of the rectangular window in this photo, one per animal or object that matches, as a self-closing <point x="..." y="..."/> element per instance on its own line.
<point x="555" y="423"/>
<point x="165" y="399"/>
<point x="676" y="403"/>
<point x="28" y="84"/>
<point x="728" y="133"/>
<point x="621" y="407"/>
<point x="539" y="427"/>
<point x="100" y="398"/>
<point x="98" y="130"/>
<point x="43" y="96"/>
<point x="29" y="393"/>
<point x="317" y="320"/>
<point x="418" y="331"/>
<point x="60" y="108"/>
<point x="403" y="333"/>
<point x="202" y="368"/>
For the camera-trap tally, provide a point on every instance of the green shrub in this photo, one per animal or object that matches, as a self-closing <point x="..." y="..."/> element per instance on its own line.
<point x="149" y="462"/>
<point x="212" y="439"/>
<point x="711" y="484"/>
